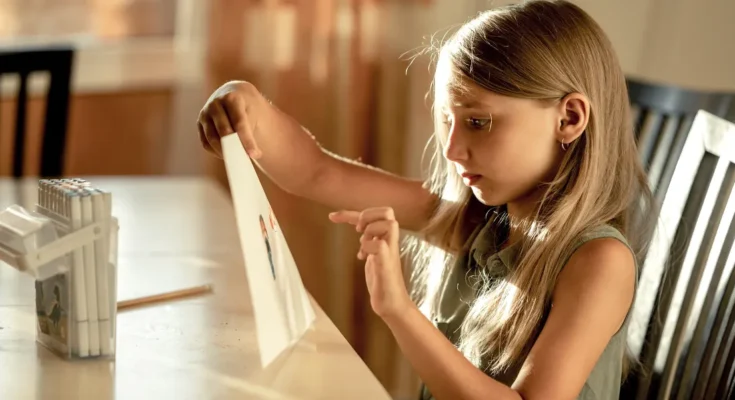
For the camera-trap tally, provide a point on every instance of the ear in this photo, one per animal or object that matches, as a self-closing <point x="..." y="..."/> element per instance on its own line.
<point x="574" y="114"/>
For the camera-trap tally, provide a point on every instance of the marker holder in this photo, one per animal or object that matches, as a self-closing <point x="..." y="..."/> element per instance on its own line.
<point x="43" y="244"/>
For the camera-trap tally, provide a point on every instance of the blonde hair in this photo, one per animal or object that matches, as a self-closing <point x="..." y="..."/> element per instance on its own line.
<point x="535" y="50"/>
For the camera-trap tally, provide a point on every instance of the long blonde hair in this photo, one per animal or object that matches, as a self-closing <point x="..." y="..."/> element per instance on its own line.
<point x="535" y="50"/>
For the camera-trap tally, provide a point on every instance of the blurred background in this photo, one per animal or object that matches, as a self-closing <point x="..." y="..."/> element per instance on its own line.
<point x="143" y="68"/>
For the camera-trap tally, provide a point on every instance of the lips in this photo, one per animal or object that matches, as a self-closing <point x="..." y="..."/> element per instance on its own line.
<point x="470" y="178"/>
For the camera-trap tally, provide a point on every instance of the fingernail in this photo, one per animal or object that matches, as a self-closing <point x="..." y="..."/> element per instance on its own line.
<point x="254" y="153"/>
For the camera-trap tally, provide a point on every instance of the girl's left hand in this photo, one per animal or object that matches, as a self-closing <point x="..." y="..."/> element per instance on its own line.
<point x="379" y="247"/>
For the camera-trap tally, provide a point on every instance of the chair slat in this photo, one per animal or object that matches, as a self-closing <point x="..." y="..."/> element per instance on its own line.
<point x="723" y="348"/>
<point x="723" y="387"/>
<point x="635" y="114"/>
<point x="53" y="148"/>
<point x="654" y="341"/>
<point x="662" y="149"/>
<point x="685" y="125"/>
<point x="715" y="311"/>
<point x="20" y="126"/>
<point x="719" y="341"/>
<point x="648" y="134"/>
<point x="702" y="288"/>
<point x="691" y="273"/>
<point x="58" y="62"/>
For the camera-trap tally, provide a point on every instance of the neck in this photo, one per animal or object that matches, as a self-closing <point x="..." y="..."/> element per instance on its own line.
<point x="519" y="212"/>
<point x="516" y="217"/>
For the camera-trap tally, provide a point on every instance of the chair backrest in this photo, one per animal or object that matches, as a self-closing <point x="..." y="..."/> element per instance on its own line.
<point x="58" y="63"/>
<point x="682" y="327"/>
<point x="662" y="117"/>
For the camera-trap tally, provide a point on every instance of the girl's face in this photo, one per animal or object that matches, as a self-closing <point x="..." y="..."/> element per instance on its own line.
<point x="503" y="147"/>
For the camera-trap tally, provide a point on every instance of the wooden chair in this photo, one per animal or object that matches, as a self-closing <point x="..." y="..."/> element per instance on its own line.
<point x="662" y="117"/>
<point x="683" y="322"/>
<point x="58" y="63"/>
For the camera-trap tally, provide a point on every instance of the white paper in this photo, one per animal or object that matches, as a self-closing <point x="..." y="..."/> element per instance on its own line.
<point x="280" y="303"/>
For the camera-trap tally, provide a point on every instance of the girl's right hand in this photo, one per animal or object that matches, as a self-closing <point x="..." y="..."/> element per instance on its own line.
<point x="237" y="106"/>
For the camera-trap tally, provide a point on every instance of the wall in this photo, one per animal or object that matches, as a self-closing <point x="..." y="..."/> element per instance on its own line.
<point x="691" y="43"/>
<point x="688" y="43"/>
<point x="626" y="23"/>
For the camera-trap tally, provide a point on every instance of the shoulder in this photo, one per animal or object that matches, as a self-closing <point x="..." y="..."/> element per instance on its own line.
<point x="592" y="296"/>
<point x="600" y="276"/>
<point x="600" y="258"/>
<point x="599" y="252"/>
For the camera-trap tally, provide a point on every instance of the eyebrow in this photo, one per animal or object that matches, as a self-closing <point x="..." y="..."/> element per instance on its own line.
<point x="472" y="104"/>
<point x="464" y="101"/>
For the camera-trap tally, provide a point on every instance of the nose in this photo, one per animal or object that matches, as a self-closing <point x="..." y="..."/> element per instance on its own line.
<point x="455" y="148"/>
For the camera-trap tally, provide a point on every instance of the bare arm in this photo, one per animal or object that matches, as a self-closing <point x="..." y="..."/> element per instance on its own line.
<point x="593" y="294"/>
<point x="344" y="184"/>
<point x="290" y="156"/>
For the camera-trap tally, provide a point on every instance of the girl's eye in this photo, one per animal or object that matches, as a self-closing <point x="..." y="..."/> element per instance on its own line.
<point x="479" y="123"/>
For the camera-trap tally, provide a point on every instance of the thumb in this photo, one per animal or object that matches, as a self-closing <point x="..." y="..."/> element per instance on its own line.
<point x="241" y="121"/>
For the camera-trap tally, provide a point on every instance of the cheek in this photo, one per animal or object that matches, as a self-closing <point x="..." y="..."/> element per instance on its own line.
<point x="535" y="147"/>
<point x="518" y="160"/>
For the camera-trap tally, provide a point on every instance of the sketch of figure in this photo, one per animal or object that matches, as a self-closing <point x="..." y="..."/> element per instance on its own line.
<point x="264" y="231"/>
<point x="41" y="312"/>
<point x="55" y="314"/>
<point x="51" y="312"/>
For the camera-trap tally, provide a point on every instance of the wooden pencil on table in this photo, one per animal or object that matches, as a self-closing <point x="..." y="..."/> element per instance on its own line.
<point x="176" y="294"/>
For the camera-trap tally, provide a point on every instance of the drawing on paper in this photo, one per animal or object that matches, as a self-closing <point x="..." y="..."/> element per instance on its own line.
<point x="264" y="231"/>
<point x="272" y="219"/>
<point x="281" y="306"/>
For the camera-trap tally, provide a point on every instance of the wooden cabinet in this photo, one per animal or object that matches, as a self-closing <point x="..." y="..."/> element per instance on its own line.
<point x="119" y="133"/>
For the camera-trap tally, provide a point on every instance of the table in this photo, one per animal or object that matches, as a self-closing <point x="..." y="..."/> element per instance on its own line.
<point x="174" y="233"/>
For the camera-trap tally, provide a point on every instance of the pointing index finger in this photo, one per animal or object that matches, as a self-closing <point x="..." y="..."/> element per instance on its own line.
<point x="345" y="216"/>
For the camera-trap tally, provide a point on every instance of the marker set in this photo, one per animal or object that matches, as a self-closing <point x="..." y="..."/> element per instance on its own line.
<point x="69" y="245"/>
<point x="85" y="327"/>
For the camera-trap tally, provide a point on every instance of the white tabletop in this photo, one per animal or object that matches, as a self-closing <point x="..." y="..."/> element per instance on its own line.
<point x="174" y="233"/>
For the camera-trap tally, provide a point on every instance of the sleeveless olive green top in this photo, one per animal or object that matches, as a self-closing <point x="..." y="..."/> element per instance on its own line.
<point x="457" y="292"/>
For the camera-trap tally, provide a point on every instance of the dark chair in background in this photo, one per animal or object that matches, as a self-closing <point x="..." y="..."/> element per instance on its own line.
<point x="662" y="117"/>
<point x="58" y="63"/>
<point x="683" y="322"/>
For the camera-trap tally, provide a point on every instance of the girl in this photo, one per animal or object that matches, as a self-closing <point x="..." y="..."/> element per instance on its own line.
<point x="527" y="220"/>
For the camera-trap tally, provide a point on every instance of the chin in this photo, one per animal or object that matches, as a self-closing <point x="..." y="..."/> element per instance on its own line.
<point x="488" y="198"/>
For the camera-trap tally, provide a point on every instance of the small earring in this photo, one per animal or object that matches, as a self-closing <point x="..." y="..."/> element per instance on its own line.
<point x="564" y="146"/>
